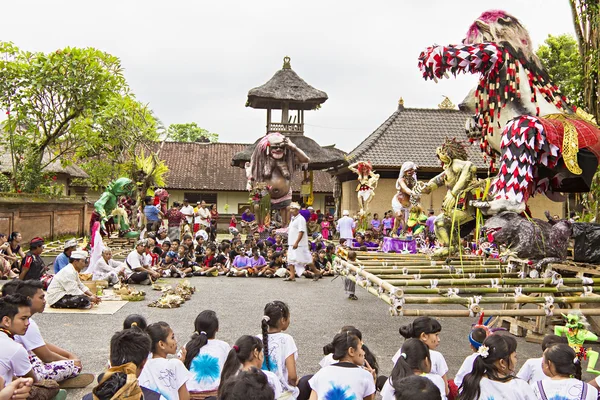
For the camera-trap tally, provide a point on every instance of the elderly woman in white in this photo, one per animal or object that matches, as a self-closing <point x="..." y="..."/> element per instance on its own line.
<point x="107" y="269"/>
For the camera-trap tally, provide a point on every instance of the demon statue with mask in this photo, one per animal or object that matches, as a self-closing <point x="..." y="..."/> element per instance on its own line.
<point x="273" y="162"/>
<point x="543" y="143"/>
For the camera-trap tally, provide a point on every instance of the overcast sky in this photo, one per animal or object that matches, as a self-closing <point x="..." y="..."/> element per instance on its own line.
<point x="196" y="60"/>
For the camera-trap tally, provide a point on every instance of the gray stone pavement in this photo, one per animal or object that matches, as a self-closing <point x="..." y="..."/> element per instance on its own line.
<point x="318" y="310"/>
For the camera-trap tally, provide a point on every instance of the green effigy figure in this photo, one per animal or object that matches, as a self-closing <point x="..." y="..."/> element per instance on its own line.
<point x="576" y="331"/>
<point x="106" y="207"/>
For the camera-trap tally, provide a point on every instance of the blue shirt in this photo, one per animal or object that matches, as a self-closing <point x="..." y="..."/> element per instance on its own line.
<point x="60" y="262"/>
<point x="151" y="213"/>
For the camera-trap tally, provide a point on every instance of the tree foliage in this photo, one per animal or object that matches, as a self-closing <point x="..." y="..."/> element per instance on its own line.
<point x="560" y="57"/>
<point x="586" y="20"/>
<point x="190" y="132"/>
<point x="71" y="105"/>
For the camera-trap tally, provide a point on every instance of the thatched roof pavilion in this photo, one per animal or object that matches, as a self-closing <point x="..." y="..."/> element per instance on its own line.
<point x="286" y="91"/>
<point x="286" y="87"/>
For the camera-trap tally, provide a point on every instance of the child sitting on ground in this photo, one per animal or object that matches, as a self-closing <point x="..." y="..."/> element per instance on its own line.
<point x="209" y="266"/>
<point x="532" y="370"/>
<point x="416" y="387"/>
<point x="349" y="375"/>
<point x="322" y="264"/>
<point x="165" y="376"/>
<point x="476" y="338"/>
<point x="241" y="264"/>
<point x="493" y="372"/>
<point x="247" y="353"/>
<point x="428" y="330"/>
<point x="415" y="359"/>
<point x="279" y="347"/>
<point x="205" y="356"/>
<point x="128" y="354"/>
<point x="563" y="369"/>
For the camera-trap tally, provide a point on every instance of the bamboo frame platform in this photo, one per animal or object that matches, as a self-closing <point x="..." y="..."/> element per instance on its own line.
<point x="499" y="289"/>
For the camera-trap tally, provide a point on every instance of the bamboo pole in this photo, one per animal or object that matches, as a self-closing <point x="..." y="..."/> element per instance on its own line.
<point x="501" y="281"/>
<point x="451" y="276"/>
<point x="489" y="312"/>
<point x="433" y="270"/>
<point x="509" y="290"/>
<point x="500" y="300"/>
<point x="388" y="263"/>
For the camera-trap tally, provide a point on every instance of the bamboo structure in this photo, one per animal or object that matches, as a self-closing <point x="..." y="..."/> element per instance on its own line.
<point x="498" y="289"/>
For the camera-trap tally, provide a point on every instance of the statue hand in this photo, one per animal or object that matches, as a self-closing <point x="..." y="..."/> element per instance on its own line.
<point x="449" y="201"/>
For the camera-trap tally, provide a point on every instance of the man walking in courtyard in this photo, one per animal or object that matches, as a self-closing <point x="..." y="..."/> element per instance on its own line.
<point x="298" y="252"/>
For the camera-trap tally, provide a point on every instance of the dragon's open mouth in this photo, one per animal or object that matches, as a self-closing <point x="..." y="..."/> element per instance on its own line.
<point x="491" y="232"/>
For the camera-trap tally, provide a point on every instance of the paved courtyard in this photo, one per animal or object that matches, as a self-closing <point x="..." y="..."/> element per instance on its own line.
<point x="318" y="310"/>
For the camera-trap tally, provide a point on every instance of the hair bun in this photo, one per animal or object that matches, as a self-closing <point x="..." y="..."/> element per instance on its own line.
<point x="328" y="348"/>
<point x="407" y="331"/>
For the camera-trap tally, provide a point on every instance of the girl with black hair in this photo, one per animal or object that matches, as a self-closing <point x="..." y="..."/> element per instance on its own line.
<point x="349" y="378"/>
<point x="165" y="376"/>
<point x="135" y="321"/>
<point x="428" y="330"/>
<point x="415" y="359"/>
<point x="280" y="350"/>
<point x="533" y="368"/>
<point x="247" y="353"/>
<point x="205" y="356"/>
<point x="563" y="368"/>
<point x="493" y="372"/>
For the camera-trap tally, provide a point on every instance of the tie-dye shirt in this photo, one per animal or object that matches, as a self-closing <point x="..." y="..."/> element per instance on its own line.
<point x="515" y="389"/>
<point x="206" y="367"/>
<point x="344" y="382"/>
<point x="164" y="376"/>
<point x="281" y="346"/>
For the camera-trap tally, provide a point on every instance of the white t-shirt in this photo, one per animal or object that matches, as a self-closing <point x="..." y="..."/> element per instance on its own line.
<point x="164" y="376"/>
<point x="466" y="368"/>
<point x="531" y="371"/>
<point x="14" y="361"/>
<point x="327" y="361"/>
<point x="274" y="382"/>
<point x="134" y="261"/>
<point x="341" y="382"/>
<point x="387" y="391"/>
<point x="206" y="367"/>
<point x="281" y="346"/>
<point x="190" y="211"/>
<point x="564" y="389"/>
<point x="438" y="362"/>
<point x="515" y="389"/>
<point x="32" y="338"/>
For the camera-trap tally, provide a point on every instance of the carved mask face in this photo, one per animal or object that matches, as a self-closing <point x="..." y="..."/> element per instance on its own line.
<point x="277" y="146"/>
<point x="444" y="158"/>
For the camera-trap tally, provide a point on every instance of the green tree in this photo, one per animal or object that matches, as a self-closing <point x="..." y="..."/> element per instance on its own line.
<point x="115" y="133"/>
<point x="190" y="132"/>
<point x="560" y="57"/>
<point x="586" y="20"/>
<point x="45" y="97"/>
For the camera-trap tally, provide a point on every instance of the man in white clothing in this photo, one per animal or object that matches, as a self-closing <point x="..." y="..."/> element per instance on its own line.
<point x="107" y="269"/>
<point x="66" y="289"/>
<point x="298" y="251"/>
<point x="345" y="225"/>
<point x="188" y="213"/>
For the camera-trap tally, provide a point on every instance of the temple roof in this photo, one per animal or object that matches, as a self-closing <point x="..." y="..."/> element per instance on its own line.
<point x="321" y="157"/>
<point x="286" y="86"/>
<point x="413" y="134"/>
<point x="206" y="166"/>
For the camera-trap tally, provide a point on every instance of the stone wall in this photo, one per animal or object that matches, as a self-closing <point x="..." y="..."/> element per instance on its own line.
<point x="45" y="217"/>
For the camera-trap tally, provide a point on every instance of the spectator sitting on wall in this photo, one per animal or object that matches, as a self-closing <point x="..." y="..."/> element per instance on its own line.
<point x="62" y="259"/>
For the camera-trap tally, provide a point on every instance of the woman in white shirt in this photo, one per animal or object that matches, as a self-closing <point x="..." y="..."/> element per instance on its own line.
<point x="347" y="379"/>
<point x="247" y="353"/>
<point x="414" y="359"/>
<point x="563" y="369"/>
<point x="493" y="372"/>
